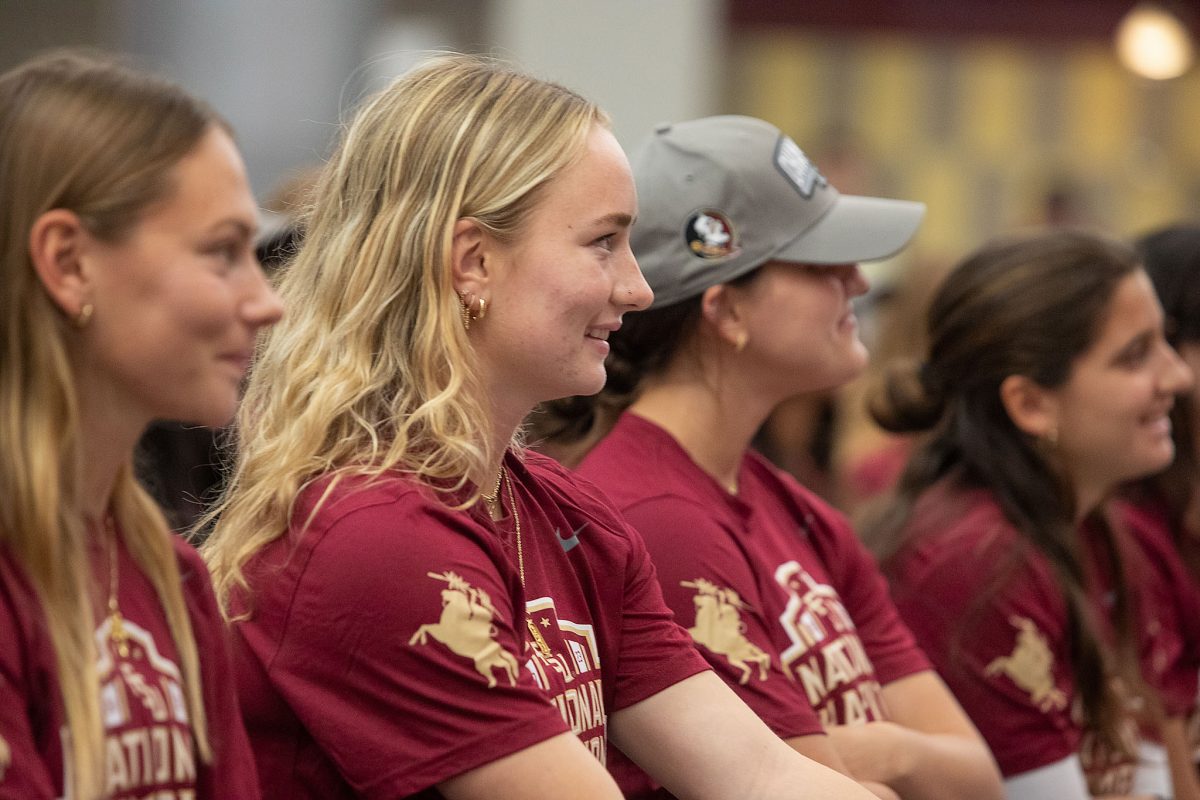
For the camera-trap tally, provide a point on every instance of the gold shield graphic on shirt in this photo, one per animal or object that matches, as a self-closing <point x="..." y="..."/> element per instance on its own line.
<point x="719" y="627"/>
<point x="1031" y="666"/>
<point x="466" y="628"/>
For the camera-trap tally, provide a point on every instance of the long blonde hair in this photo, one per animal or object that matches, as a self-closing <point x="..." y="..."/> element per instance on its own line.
<point x="85" y="134"/>
<point x="372" y="370"/>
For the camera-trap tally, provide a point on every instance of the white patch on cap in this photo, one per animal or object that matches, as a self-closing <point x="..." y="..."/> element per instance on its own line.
<point x="796" y="167"/>
<point x="709" y="234"/>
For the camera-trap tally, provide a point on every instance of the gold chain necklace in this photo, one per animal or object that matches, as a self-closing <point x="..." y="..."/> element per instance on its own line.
<point x="116" y="630"/>
<point x="491" y="499"/>
<point x="538" y="639"/>
<point x="512" y="502"/>
<point x="495" y="509"/>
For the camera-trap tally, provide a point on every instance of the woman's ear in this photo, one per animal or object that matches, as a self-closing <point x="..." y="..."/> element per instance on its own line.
<point x="1032" y="408"/>
<point x="57" y="242"/>
<point x="468" y="266"/>
<point x="720" y="309"/>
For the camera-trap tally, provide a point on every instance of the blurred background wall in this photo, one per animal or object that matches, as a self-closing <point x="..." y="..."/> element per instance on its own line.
<point x="995" y="114"/>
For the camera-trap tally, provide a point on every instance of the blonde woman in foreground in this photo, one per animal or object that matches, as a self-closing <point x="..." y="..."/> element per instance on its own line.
<point x="422" y="608"/>
<point x="130" y="293"/>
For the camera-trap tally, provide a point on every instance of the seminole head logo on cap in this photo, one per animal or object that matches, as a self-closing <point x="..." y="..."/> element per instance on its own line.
<point x="709" y="234"/>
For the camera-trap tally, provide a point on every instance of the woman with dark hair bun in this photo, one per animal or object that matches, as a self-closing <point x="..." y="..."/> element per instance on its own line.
<point x="1048" y="383"/>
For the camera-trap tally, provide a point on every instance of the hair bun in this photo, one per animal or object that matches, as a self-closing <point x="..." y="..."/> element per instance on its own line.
<point x="909" y="399"/>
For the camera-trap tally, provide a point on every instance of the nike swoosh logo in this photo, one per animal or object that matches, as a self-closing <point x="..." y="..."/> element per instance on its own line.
<point x="571" y="542"/>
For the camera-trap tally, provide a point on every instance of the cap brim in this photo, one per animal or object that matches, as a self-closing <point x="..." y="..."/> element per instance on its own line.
<point x="856" y="229"/>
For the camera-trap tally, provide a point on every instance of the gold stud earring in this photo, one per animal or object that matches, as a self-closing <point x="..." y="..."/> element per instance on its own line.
<point x="742" y="340"/>
<point x="84" y="316"/>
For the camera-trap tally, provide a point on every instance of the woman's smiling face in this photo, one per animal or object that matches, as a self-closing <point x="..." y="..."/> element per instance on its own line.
<point x="560" y="289"/>
<point x="1112" y="414"/>
<point x="180" y="297"/>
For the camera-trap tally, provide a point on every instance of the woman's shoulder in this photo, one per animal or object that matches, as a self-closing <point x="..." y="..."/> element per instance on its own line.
<point x="330" y="497"/>
<point x="370" y="540"/>
<point x="956" y="533"/>
<point x="565" y="485"/>
<point x="959" y="517"/>
<point x="807" y="505"/>
<point x="573" y="494"/>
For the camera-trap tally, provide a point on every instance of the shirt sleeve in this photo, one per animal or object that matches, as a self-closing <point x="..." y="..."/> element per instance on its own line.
<point x="885" y="636"/>
<point x="398" y="648"/>
<point x="655" y="651"/>
<point x="708" y="583"/>
<point x="23" y="680"/>
<point x="993" y="622"/>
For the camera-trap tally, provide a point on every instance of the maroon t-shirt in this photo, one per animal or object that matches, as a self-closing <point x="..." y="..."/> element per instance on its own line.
<point x="1168" y="607"/>
<point x="149" y="751"/>
<point x="777" y="591"/>
<point x="392" y="645"/>
<point x="987" y="608"/>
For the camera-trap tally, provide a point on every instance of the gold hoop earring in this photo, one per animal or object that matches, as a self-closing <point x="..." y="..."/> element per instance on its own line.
<point x="84" y="316"/>
<point x="482" y="309"/>
<point x="464" y="310"/>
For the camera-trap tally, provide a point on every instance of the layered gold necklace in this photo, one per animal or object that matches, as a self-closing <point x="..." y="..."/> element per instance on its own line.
<point x="116" y="623"/>
<point x="496" y="510"/>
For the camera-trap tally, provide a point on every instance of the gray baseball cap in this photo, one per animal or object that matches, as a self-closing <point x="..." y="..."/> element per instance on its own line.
<point x="720" y="196"/>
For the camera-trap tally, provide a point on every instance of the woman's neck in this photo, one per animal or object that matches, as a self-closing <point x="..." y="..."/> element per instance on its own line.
<point x="108" y="433"/>
<point x="1087" y="500"/>
<point x="714" y="425"/>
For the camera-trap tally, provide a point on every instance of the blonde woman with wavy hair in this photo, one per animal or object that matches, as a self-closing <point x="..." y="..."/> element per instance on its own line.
<point x="130" y="293"/>
<point x="422" y="608"/>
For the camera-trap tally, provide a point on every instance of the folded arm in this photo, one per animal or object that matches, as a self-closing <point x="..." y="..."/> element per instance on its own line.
<point x="558" y="767"/>
<point x="929" y="750"/>
<point x="703" y="743"/>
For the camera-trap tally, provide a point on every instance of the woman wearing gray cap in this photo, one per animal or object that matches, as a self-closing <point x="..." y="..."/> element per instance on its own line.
<point x="753" y="257"/>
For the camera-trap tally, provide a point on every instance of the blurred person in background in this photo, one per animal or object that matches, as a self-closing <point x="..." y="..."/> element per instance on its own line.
<point x="1171" y="257"/>
<point x="1164" y="509"/>
<point x="131" y="293"/>
<point x="753" y="258"/>
<point x="423" y="608"/>
<point x="1047" y="383"/>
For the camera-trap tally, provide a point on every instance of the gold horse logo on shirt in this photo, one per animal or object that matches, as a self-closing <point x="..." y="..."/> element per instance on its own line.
<point x="720" y="628"/>
<point x="466" y="628"/>
<point x="1031" y="666"/>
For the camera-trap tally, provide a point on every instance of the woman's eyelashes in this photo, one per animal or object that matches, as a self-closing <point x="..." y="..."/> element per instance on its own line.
<point x="605" y="242"/>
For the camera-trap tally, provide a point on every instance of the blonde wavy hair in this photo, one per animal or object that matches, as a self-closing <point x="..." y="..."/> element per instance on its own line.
<point x="371" y="369"/>
<point x="135" y="129"/>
